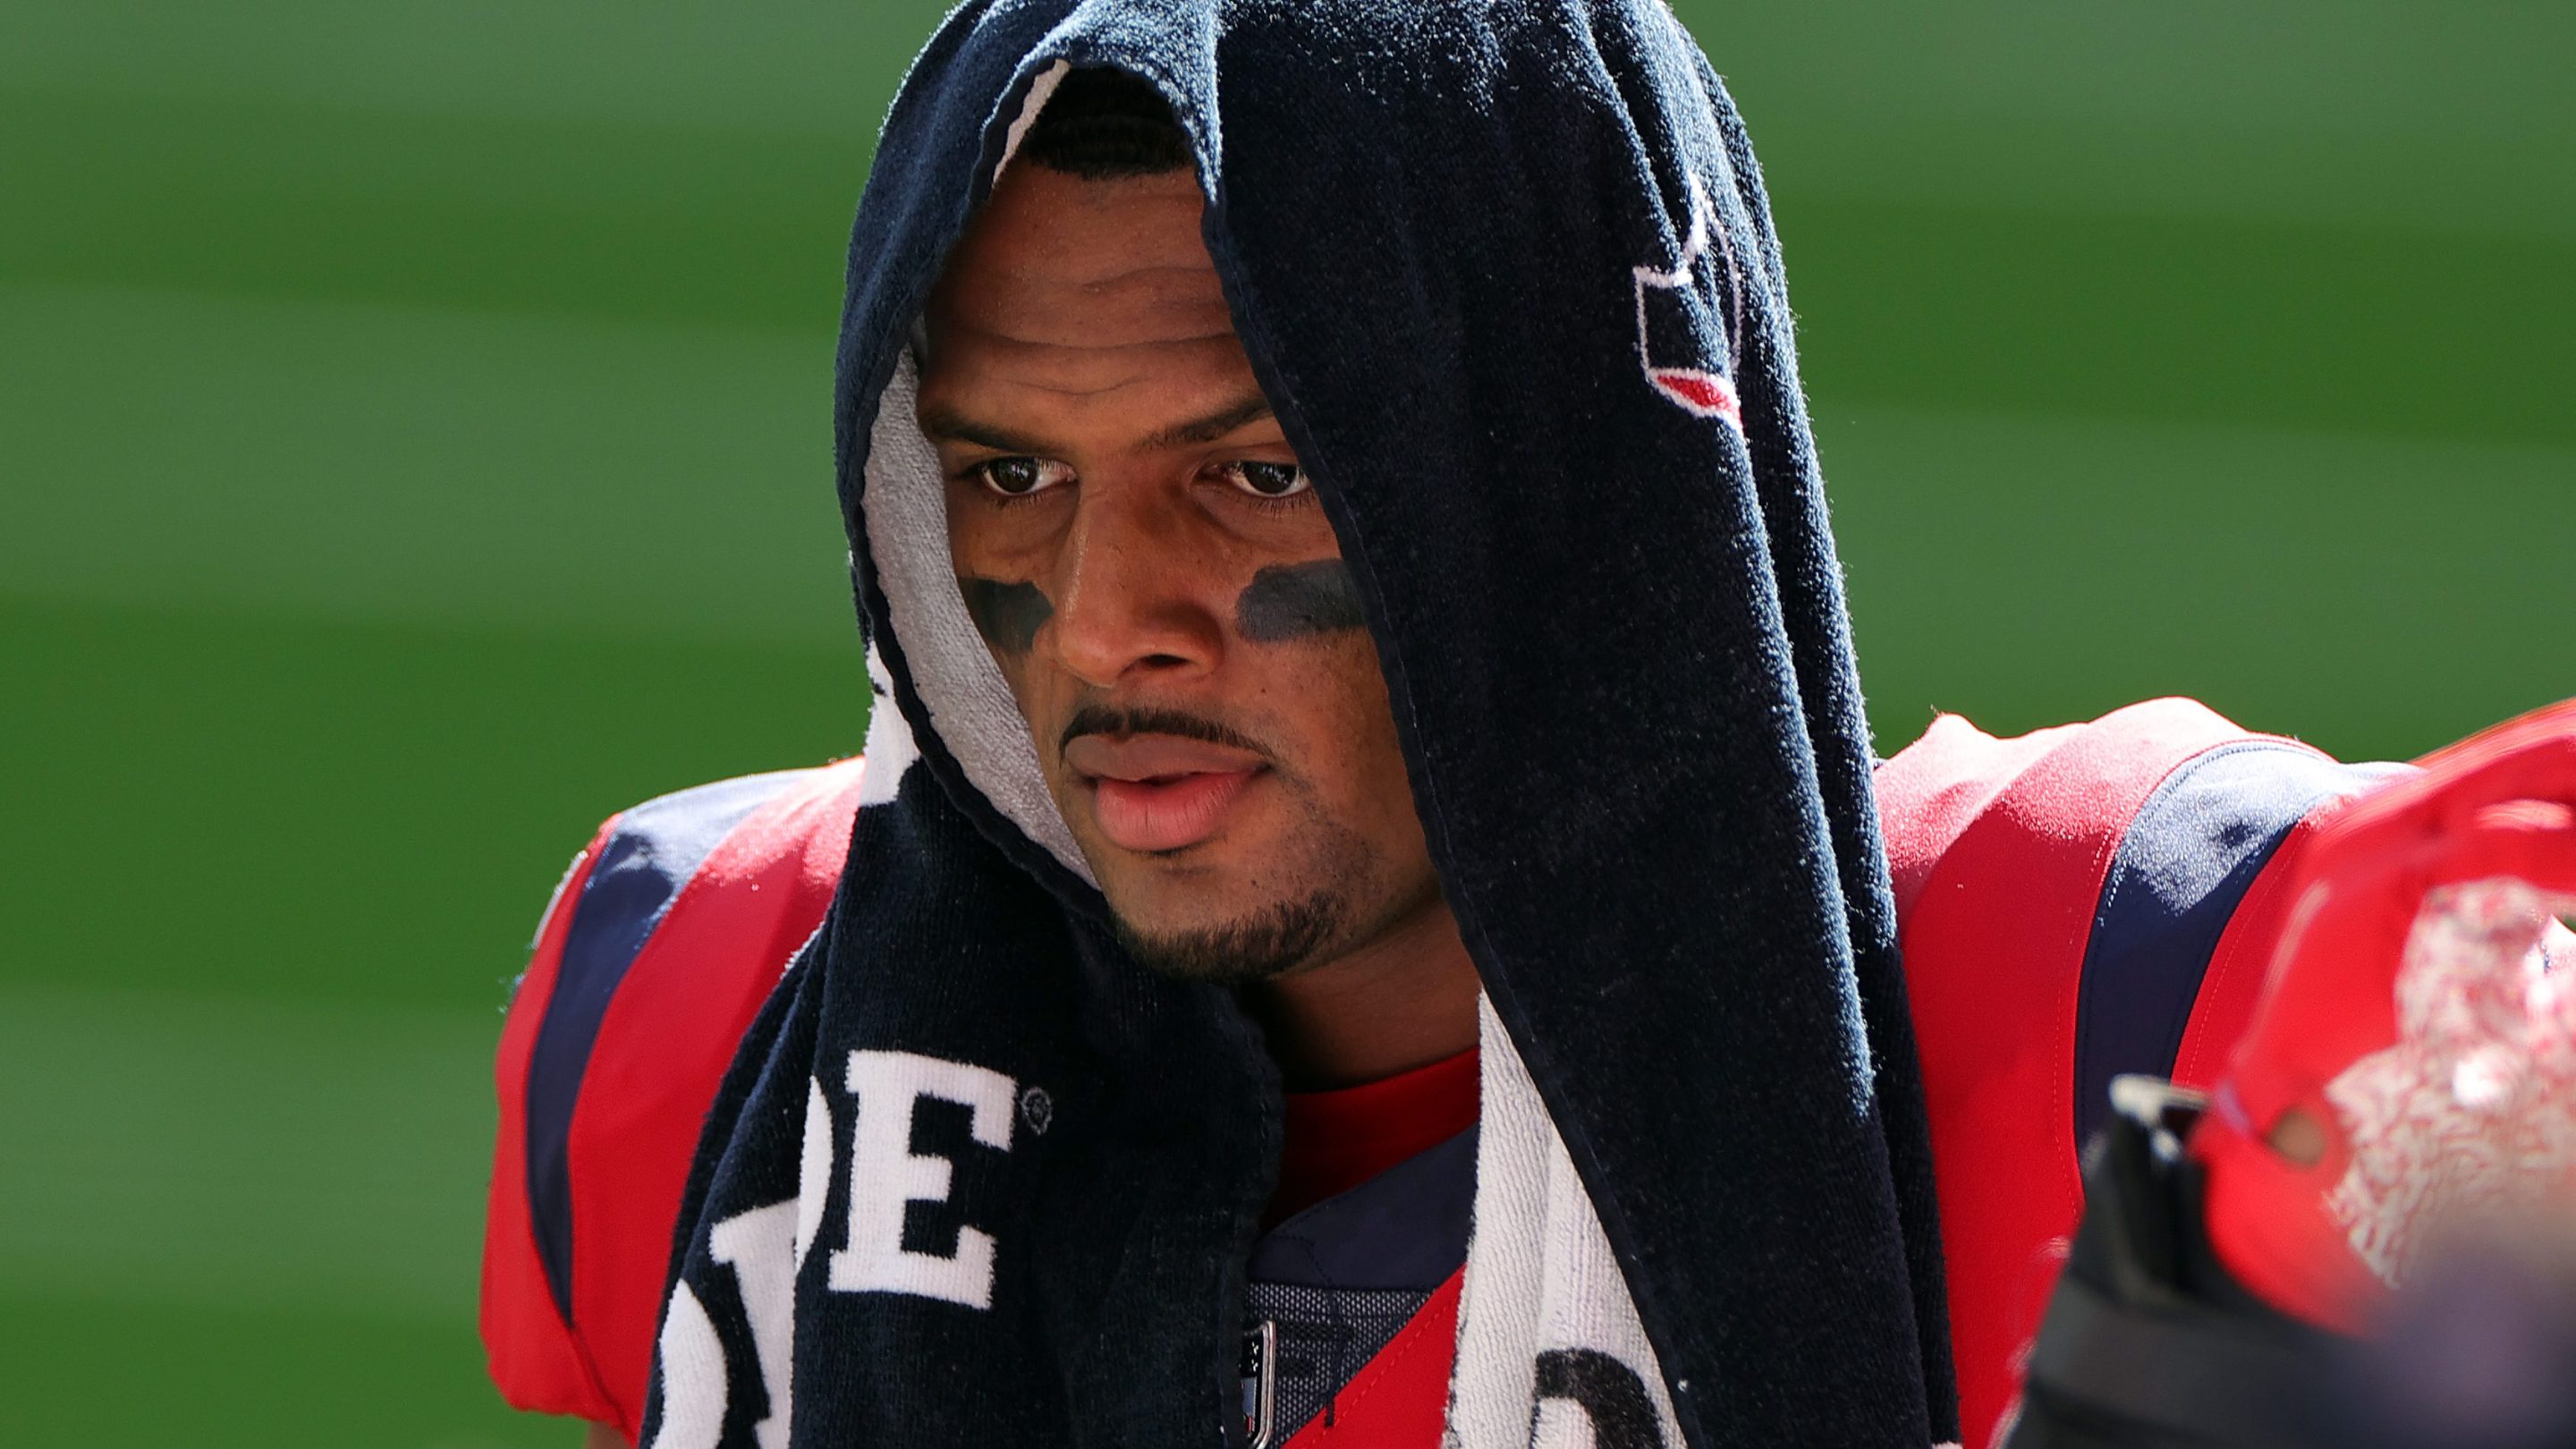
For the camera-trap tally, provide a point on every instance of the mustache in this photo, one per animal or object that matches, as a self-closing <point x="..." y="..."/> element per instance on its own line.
<point x="1101" y="719"/>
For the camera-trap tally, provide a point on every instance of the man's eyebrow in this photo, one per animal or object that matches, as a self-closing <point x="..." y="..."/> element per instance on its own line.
<point x="946" y="424"/>
<point x="949" y="425"/>
<point x="1208" y="428"/>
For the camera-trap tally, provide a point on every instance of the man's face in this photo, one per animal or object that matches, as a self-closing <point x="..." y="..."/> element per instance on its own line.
<point x="1157" y="581"/>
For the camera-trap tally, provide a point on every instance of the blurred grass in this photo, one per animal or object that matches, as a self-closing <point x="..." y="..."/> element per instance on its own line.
<point x="290" y="810"/>
<point x="281" y="199"/>
<point x="414" y="445"/>
<point x="90" y="1368"/>
<point x="202" y="1166"/>
<point x="2377" y="596"/>
<point x="431" y="465"/>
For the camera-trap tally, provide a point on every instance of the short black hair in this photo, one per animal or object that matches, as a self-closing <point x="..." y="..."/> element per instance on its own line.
<point x="1107" y="125"/>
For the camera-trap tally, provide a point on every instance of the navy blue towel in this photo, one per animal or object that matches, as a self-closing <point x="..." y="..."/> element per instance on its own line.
<point x="1508" y="274"/>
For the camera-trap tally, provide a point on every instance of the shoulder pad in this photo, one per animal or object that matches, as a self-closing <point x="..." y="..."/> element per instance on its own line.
<point x="2068" y="902"/>
<point x="659" y="950"/>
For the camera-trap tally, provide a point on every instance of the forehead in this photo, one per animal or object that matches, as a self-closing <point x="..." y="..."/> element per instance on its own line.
<point x="1064" y="289"/>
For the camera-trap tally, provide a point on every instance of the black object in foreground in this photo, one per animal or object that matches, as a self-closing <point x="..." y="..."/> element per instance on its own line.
<point x="2150" y="1344"/>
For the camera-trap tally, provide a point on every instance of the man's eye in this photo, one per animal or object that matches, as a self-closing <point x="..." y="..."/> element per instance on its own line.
<point x="1268" y="480"/>
<point x="1020" y="477"/>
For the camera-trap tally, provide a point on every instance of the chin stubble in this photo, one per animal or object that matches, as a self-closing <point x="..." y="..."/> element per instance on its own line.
<point x="1336" y="913"/>
<point x="1272" y="939"/>
<point x="1277" y="938"/>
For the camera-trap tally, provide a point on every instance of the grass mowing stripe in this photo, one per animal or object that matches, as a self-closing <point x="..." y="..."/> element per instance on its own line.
<point x="100" y="1370"/>
<point x="813" y="66"/>
<point x="2429" y="320"/>
<point x="2377" y="596"/>
<point x="282" y="808"/>
<point x="171" y="1148"/>
<point x="552" y="217"/>
<point x="409" y="463"/>
<point x="2172" y="319"/>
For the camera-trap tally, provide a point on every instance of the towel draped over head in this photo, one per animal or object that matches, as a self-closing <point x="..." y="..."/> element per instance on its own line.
<point x="1507" y="273"/>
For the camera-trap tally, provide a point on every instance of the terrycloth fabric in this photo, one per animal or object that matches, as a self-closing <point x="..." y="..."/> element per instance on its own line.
<point x="1545" y="1326"/>
<point x="1507" y="272"/>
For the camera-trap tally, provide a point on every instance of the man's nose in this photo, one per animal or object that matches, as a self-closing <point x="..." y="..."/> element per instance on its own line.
<point x="1133" y="594"/>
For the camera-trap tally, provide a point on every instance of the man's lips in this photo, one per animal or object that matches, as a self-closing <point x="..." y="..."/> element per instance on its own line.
<point x="1160" y="792"/>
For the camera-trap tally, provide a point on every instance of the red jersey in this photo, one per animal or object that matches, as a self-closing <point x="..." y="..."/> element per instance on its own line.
<point x="2074" y="904"/>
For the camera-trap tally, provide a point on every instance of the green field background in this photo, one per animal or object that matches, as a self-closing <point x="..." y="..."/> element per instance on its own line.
<point x="414" y="445"/>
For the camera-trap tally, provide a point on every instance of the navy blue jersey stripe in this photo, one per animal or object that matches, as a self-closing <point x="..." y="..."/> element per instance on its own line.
<point x="1340" y="1279"/>
<point x="651" y="853"/>
<point x="2183" y="866"/>
<point x="1404" y="1228"/>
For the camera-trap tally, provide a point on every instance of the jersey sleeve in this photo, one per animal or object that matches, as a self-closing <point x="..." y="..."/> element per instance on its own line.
<point x="535" y="1359"/>
<point x="2074" y="905"/>
<point x="659" y="948"/>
